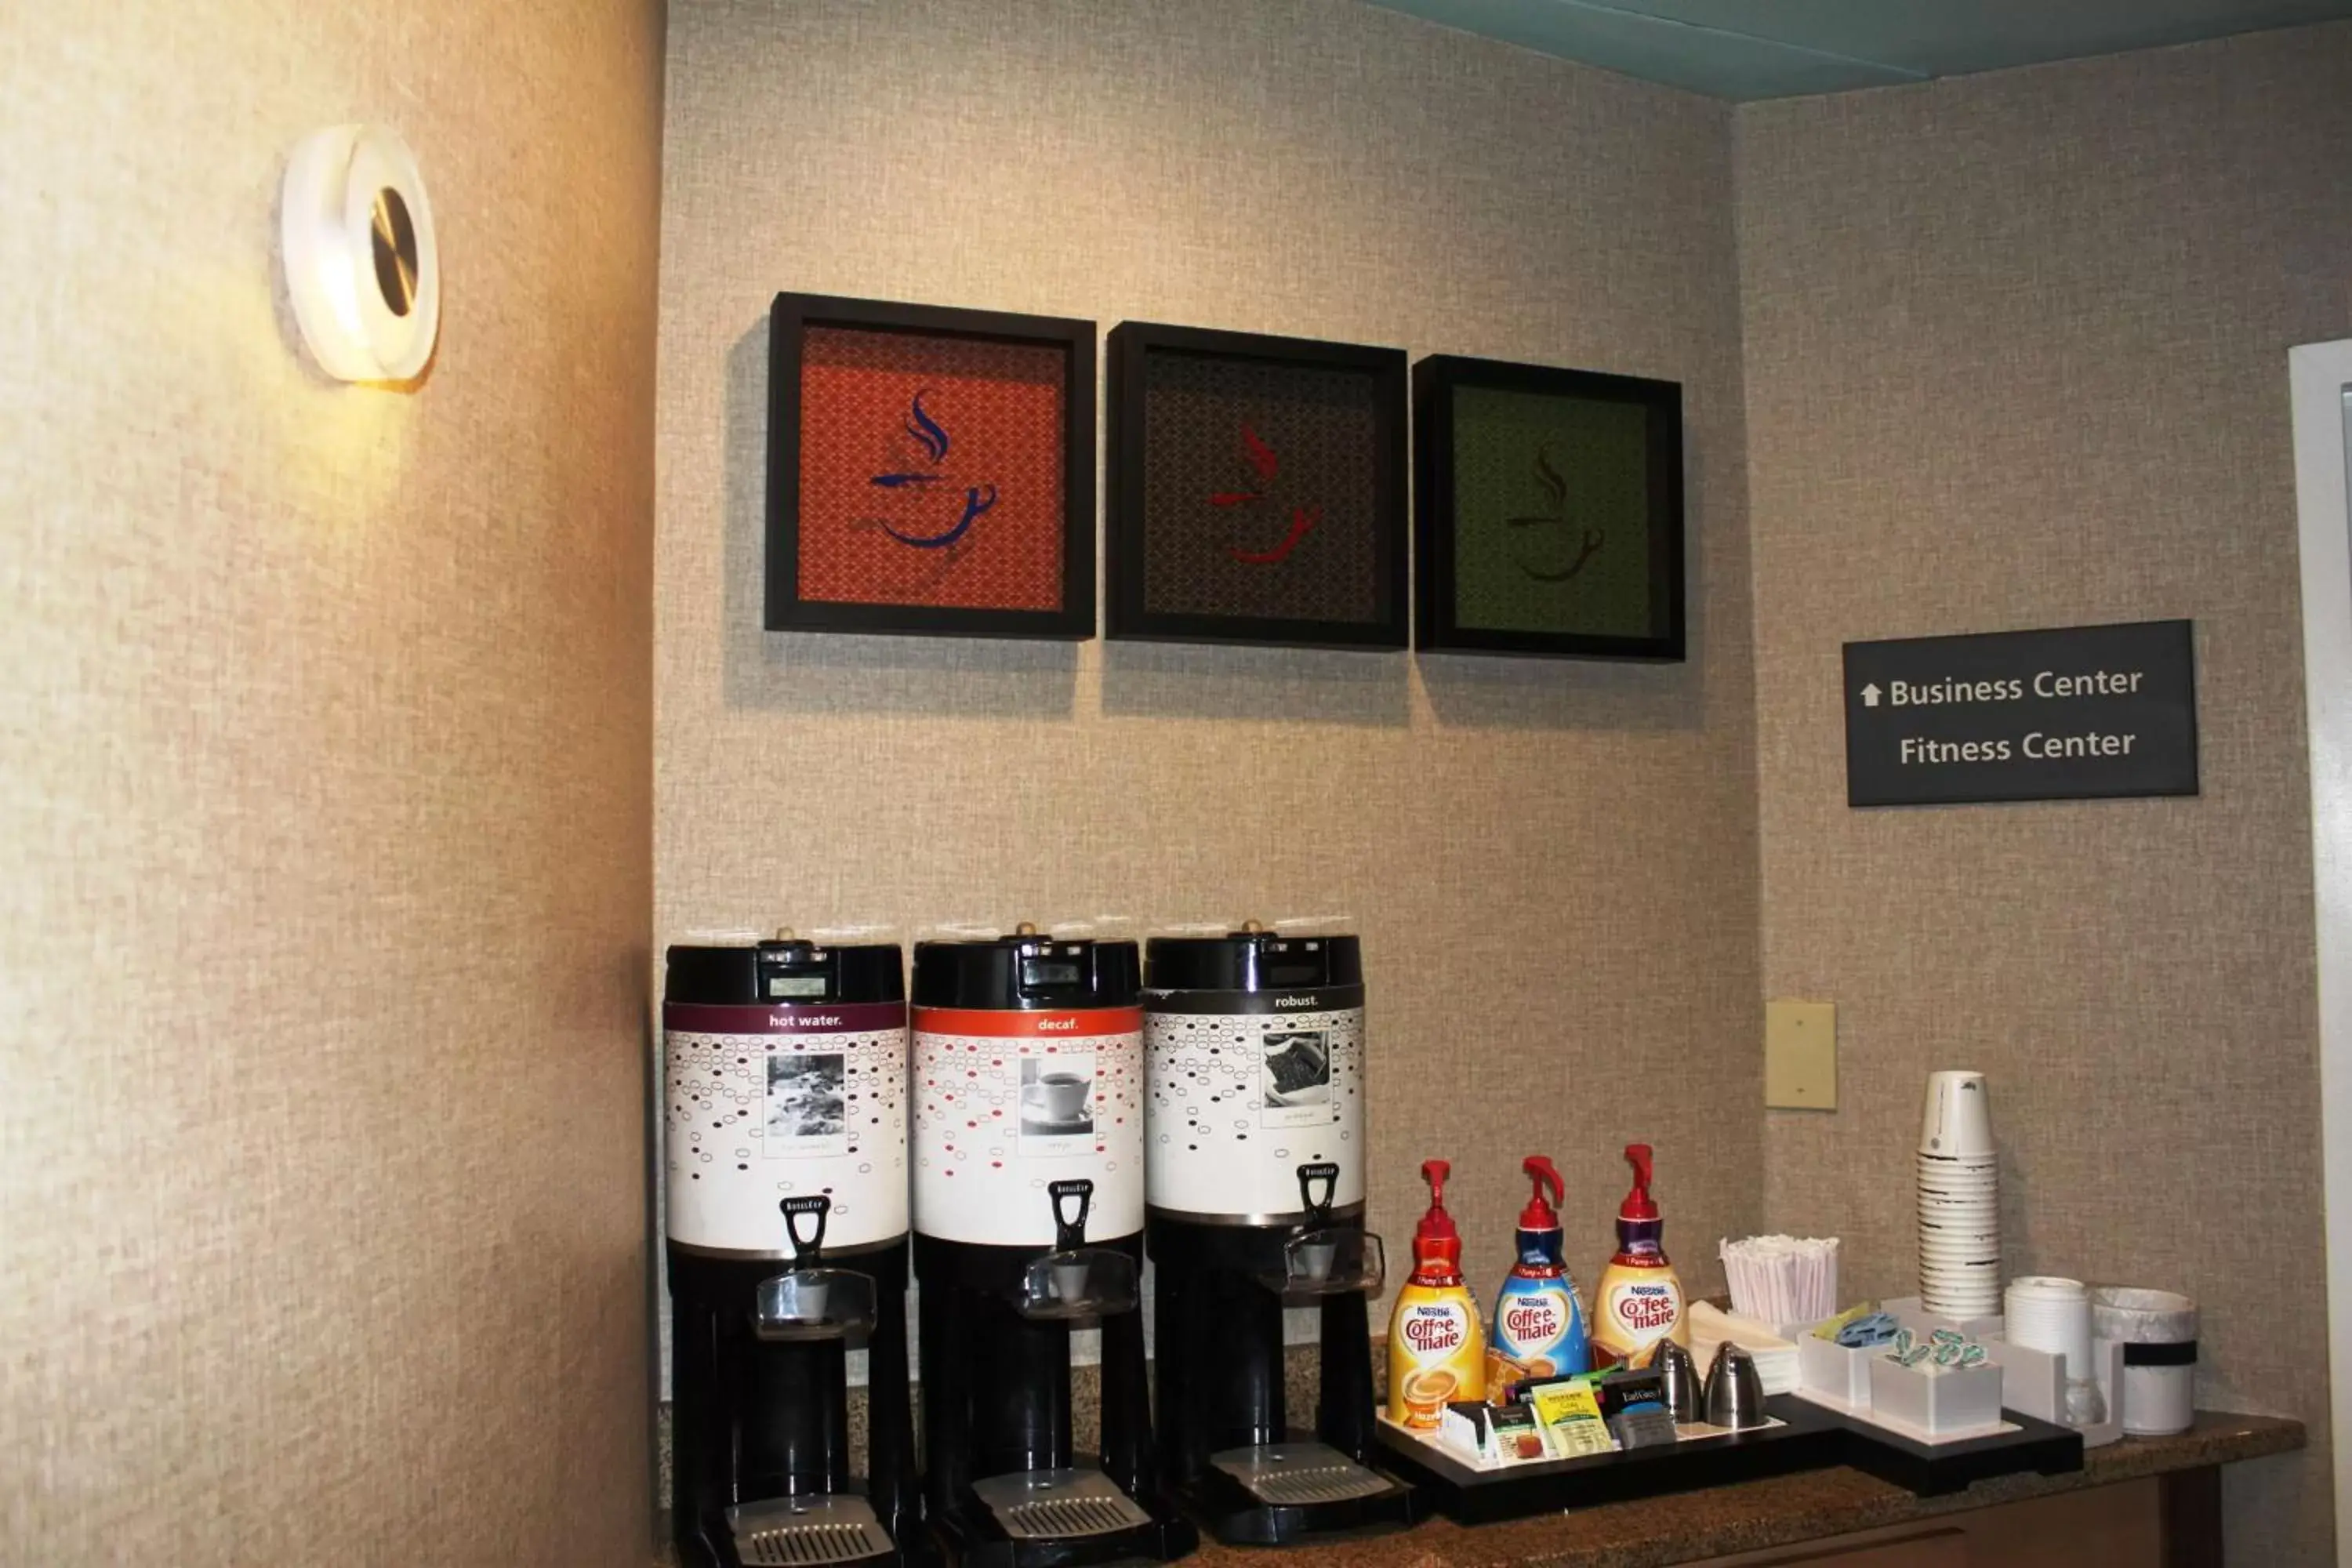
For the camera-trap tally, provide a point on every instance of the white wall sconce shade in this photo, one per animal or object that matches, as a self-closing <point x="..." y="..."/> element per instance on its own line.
<point x="360" y="262"/>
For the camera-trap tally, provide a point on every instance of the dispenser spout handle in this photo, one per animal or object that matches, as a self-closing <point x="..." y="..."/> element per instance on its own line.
<point x="1544" y="1174"/>
<point x="806" y="1250"/>
<point x="1435" y="1172"/>
<point x="1325" y="1173"/>
<point x="1068" y="1231"/>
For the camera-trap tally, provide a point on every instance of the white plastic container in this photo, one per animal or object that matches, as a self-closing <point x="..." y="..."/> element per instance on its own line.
<point x="2053" y="1315"/>
<point x="2033" y="1382"/>
<point x="1833" y="1374"/>
<point x="2157" y="1331"/>
<point x="1935" y="1404"/>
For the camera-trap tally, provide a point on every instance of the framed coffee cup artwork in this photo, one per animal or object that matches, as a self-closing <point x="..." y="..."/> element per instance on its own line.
<point x="1550" y="512"/>
<point x="930" y="470"/>
<point x="1256" y="489"/>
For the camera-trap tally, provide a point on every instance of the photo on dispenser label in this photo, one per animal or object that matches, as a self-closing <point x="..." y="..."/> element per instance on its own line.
<point x="808" y="1109"/>
<point x="1058" y="1103"/>
<point x="1297" y="1078"/>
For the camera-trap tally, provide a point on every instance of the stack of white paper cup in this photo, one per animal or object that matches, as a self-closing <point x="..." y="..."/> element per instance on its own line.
<point x="1960" y="1200"/>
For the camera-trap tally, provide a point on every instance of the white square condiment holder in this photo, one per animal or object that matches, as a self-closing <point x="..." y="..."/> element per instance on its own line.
<point x="2033" y="1382"/>
<point x="1830" y="1374"/>
<point x="1935" y="1403"/>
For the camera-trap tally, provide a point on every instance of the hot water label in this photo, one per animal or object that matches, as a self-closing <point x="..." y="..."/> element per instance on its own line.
<point x="1008" y="1102"/>
<point x="1246" y="1087"/>
<point x="763" y="1103"/>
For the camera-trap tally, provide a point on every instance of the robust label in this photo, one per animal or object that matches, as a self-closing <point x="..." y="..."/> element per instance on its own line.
<point x="2081" y="712"/>
<point x="1437" y="1353"/>
<point x="1246" y="1087"/>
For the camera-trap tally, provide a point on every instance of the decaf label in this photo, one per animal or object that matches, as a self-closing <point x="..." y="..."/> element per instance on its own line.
<point x="2073" y="713"/>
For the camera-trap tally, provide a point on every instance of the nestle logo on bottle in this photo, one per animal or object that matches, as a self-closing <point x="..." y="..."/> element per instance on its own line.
<point x="1646" y="1307"/>
<point x="1533" y="1320"/>
<point x="1432" y="1329"/>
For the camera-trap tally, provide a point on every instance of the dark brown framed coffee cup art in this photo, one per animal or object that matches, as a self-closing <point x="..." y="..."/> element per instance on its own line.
<point x="1256" y="489"/>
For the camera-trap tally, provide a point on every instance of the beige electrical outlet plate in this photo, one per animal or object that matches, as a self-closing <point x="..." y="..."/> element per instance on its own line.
<point x="1801" y="1054"/>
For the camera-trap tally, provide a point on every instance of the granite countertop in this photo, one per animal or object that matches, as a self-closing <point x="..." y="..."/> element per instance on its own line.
<point x="1752" y="1515"/>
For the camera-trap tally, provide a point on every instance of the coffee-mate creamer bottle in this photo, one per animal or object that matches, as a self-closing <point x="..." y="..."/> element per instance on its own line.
<point x="1437" y="1344"/>
<point x="1539" y="1330"/>
<point x="1640" y="1298"/>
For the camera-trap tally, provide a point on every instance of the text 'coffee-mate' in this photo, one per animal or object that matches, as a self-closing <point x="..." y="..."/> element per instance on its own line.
<point x="1437" y="1344"/>
<point x="1640" y="1298"/>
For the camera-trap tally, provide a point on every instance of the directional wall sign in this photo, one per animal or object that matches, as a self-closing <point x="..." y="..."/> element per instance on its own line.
<point x="2077" y="713"/>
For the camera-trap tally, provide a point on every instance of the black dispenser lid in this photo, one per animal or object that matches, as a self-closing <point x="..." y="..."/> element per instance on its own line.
<point x="787" y="968"/>
<point x="1253" y="960"/>
<point x="1027" y="972"/>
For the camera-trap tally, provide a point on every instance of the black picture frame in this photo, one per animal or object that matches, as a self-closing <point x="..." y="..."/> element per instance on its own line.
<point x="787" y="610"/>
<point x="1128" y="615"/>
<point x="1439" y="625"/>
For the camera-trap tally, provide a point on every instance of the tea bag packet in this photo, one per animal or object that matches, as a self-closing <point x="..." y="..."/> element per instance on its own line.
<point x="1570" y="1412"/>
<point x="1494" y="1435"/>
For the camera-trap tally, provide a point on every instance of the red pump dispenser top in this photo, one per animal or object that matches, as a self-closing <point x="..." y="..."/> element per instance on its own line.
<point x="1539" y="1214"/>
<point x="1638" y="1204"/>
<point x="1434" y="1239"/>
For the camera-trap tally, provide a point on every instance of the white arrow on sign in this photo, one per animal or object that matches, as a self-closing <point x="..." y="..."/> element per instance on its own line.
<point x="1870" y="695"/>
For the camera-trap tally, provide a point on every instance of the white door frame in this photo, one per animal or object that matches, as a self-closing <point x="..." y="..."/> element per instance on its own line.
<point x="2321" y="374"/>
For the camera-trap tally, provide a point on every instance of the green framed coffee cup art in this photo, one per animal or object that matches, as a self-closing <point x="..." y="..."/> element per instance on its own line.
<point x="1550" y="512"/>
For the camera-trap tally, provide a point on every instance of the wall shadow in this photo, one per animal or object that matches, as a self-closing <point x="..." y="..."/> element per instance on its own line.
<point x="1486" y="691"/>
<point x="823" y="672"/>
<point x="1208" y="680"/>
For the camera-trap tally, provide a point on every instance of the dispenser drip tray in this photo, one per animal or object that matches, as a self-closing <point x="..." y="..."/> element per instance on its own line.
<point x="1037" y="1505"/>
<point x="1289" y="1474"/>
<point x="790" y="1532"/>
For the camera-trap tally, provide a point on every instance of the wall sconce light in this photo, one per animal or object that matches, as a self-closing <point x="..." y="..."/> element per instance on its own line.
<point x="356" y="232"/>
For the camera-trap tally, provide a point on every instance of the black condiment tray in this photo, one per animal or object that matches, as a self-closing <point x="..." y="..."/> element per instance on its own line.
<point x="1809" y="1438"/>
<point x="1933" y="1469"/>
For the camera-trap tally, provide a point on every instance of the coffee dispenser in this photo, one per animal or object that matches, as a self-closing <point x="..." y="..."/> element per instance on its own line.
<point x="1028" y="1088"/>
<point x="785" y="1096"/>
<point x="1255" y="1172"/>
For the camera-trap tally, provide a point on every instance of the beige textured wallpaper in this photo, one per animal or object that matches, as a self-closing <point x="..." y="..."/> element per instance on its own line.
<point x="2016" y="356"/>
<point x="1552" y="864"/>
<point x="326" y="799"/>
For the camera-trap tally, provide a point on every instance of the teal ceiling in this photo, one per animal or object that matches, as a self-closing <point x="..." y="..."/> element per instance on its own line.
<point x="1780" y="49"/>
